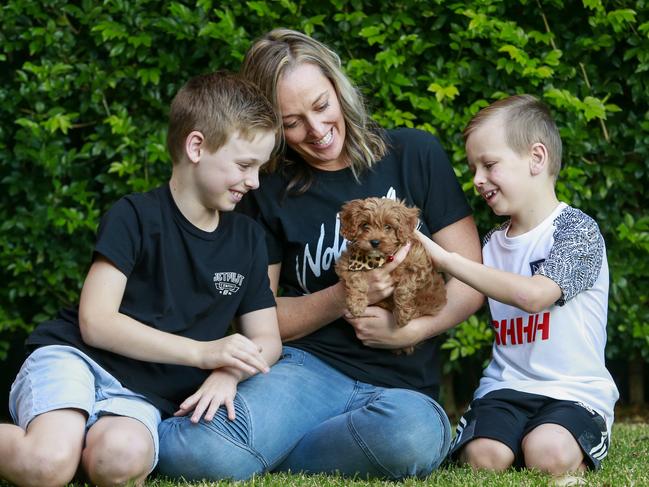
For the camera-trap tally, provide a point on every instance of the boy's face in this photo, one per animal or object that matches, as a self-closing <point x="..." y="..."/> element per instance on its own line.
<point x="501" y="176"/>
<point x="225" y="175"/>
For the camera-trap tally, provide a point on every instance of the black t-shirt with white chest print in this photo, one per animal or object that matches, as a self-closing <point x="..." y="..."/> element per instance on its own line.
<point x="302" y="233"/>
<point x="180" y="280"/>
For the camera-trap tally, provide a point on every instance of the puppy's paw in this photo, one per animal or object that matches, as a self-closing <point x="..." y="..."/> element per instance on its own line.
<point x="357" y="306"/>
<point x="402" y="316"/>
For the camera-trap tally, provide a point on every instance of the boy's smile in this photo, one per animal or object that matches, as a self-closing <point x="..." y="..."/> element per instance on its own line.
<point x="488" y="195"/>
<point x="225" y="176"/>
<point x="500" y="175"/>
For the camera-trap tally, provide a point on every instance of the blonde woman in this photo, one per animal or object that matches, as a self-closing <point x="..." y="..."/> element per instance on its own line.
<point x="339" y="400"/>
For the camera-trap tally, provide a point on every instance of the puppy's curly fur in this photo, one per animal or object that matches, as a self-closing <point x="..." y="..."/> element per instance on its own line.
<point x="375" y="228"/>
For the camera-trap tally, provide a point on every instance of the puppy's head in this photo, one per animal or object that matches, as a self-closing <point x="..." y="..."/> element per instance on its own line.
<point x="377" y="226"/>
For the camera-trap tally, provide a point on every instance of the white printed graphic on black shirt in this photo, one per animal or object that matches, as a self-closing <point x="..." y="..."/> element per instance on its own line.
<point x="228" y="283"/>
<point x="324" y="258"/>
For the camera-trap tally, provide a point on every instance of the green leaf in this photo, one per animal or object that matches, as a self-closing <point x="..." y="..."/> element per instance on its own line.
<point x="110" y="30"/>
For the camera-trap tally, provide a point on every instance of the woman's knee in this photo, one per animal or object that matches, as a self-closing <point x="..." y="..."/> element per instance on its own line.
<point x="411" y="436"/>
<point x="205" y="451"/>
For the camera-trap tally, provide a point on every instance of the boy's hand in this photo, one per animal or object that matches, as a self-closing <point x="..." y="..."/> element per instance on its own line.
<point x="435" y="252"/>
<point x="218" y="389"/>
<point x="233" y="351"/>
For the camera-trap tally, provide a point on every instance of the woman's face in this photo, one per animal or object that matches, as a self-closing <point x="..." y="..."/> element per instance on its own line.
<point x="313" y="122"/>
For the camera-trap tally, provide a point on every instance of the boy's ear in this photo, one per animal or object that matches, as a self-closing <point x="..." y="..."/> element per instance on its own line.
<point x="538" y="158"/>
<point x="194" y="145"/>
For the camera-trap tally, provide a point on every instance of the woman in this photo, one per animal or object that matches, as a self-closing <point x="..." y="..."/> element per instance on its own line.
<point x="339" y="400"/>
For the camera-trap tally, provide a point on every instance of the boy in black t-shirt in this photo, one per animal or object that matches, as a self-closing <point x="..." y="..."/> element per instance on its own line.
<point x="172" y="268"/>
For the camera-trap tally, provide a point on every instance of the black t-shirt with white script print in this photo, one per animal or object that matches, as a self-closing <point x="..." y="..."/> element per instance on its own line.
<point x="302" y="233"/>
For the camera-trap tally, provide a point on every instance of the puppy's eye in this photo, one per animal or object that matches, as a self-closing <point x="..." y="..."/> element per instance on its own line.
<point x="387" y="228"/>
<point x="365" y="226"/>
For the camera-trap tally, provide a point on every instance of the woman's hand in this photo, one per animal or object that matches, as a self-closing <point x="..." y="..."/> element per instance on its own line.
<point x="380" y="284"/>
<point x="377" y="328"/>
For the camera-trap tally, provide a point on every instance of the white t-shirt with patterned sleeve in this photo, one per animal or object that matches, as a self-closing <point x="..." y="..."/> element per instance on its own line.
<point x="558" y="352"/>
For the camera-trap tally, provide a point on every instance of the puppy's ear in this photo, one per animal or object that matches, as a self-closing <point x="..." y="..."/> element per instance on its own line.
<point x="349" y="219"/>
<point x="408" y="219"/>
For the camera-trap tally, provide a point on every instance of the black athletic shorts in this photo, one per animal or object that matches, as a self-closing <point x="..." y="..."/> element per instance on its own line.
<point x="506" y="415"/>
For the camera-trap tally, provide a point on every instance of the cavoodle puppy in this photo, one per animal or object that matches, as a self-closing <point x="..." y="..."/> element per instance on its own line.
<point x="375" y="228"/>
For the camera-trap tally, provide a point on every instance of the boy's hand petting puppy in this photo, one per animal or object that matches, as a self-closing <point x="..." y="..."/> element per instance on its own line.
<point x="436" y="253"/>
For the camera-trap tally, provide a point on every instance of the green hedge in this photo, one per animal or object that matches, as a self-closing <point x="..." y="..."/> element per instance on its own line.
<point x="85" y="86"/>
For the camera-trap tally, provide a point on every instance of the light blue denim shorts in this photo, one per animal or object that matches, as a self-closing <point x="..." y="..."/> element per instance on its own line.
<point x="62" y="377"/>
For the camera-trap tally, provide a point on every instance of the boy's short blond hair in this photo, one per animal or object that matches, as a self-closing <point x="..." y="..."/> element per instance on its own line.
<point x="527" y="121"/>
<point x="218" y="105"/>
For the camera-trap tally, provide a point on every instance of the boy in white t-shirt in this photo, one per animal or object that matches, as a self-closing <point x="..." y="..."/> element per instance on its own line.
<point x="546" y="400"/>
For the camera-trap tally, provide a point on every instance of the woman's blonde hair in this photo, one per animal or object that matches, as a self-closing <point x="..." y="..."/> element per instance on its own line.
<point x="283" y="49"/>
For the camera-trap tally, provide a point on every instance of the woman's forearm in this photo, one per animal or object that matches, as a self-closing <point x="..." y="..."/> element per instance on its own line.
<point x="302" y="315"/>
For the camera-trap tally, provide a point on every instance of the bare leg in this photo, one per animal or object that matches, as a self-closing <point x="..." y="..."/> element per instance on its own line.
<point x="485" y="453"/>
<point x="47" y="454"/>
<point x="552" y="449"/>
<point x="118" y="450"/>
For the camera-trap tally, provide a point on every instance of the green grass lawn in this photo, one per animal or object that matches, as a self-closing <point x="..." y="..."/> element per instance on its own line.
<point x="626" y="465"/>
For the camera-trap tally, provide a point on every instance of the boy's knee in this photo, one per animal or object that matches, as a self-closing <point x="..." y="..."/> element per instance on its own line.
<point x="552" y="457"/>
<point x="552" y="449"/>
<point x="118" y="457"/>
<point x="50" y="466"/>
<point x="487" y="454"/>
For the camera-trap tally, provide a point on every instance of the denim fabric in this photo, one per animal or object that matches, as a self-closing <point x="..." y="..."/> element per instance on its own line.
<point x="306" y="416"/>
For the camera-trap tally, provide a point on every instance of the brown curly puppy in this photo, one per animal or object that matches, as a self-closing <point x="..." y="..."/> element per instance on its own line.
<point x="375" y="228"/>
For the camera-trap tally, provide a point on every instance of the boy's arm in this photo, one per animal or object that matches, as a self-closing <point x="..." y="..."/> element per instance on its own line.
<point x="221" y="386"/>
<point x="261" y="328"/>
<point x="531" y="294"/>
<point x="103" y="326"/>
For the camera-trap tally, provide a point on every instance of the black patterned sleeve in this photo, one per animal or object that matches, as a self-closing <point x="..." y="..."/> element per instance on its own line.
<point x="575" y="258"/>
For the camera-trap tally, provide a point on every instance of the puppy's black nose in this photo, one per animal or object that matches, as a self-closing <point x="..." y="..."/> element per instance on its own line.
<point x="375" y="243"/>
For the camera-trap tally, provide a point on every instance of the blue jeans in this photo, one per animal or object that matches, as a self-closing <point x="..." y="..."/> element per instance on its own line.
<point x="305" y="416"/>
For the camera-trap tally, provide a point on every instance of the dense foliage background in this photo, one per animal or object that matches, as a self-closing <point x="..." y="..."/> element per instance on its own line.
<point x="85" y="86"/>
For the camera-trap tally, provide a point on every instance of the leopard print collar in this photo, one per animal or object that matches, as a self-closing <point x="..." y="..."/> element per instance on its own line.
<point x="359" y="261"/>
